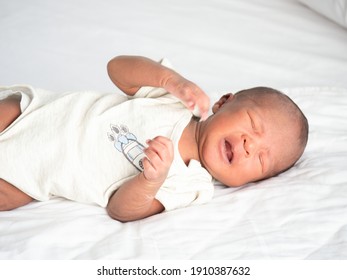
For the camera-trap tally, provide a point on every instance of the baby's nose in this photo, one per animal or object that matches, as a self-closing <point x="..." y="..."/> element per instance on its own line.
<point x="250" y="146"/>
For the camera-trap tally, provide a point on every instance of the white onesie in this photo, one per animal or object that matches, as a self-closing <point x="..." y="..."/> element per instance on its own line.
<point x="83" y="145"/>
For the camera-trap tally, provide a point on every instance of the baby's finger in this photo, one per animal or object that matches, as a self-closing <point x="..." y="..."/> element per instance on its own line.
<point x="161" y="145"/>
<point x="152" y="156"/>
<point x="147" y="165"/>
<point x="149" y="171"/>
<point x="201" y="107"/>
<point x="163" y="140"/>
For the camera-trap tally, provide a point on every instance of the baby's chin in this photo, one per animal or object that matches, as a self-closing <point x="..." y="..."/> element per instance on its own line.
<point x="238" y="183"/>
<point x="231" y="184"/>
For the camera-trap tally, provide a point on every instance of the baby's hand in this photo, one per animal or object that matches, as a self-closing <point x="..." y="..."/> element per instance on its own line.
<point x="191" y="95"/>
<point x="159" y="157"/>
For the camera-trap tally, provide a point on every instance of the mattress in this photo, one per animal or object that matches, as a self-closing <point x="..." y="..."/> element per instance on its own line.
<point x="223" y="46"/>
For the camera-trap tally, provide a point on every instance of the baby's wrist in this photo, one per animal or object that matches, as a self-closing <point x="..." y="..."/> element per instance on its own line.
<point x="170" y="80"/>
<point x="148" y="183"/>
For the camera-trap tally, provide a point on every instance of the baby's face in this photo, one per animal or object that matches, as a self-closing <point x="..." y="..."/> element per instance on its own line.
<point x="245" y="142"/>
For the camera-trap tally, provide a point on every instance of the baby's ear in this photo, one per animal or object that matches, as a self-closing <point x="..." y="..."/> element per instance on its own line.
<point x="221" y="102"/>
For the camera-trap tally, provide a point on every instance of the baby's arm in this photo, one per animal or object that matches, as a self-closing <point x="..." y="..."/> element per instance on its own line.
<point x="10" y="196"/>
<point x="129" y="73"/>
<point x="135" y="199"/>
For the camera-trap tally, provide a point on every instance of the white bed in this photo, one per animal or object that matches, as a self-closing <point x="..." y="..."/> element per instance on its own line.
<point x="222" y="45"/>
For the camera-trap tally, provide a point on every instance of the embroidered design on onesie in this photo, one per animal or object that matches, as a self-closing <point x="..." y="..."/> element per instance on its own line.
<point x="126" y="143"/>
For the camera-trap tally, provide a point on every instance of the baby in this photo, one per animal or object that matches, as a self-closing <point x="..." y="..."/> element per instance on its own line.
<point x="144" y="152"/>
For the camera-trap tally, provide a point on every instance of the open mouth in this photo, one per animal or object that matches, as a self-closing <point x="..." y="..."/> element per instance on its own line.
<point x="228" y="151"/>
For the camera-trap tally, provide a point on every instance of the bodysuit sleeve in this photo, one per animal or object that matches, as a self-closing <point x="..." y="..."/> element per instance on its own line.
<point x="192" y="187"/>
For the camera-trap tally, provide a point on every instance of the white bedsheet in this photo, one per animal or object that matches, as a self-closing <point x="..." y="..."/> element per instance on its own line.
<point x="222" y="45"/>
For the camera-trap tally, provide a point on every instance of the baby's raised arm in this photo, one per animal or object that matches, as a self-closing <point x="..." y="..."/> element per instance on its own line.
<point x="129" y="73"/>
